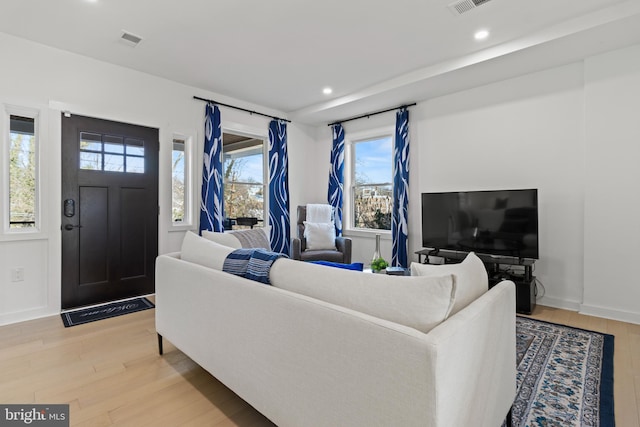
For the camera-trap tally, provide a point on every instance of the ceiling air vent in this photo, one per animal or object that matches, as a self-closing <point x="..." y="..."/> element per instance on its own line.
<point x="130" y="39"/>
<point x="462" y="6"/>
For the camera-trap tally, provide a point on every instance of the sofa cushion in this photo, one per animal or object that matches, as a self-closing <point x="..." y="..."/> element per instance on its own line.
<point x="418" y="302"/>
<point x="320" y="235"/>
<point x="252" y="238"/>
<point x="205" y="252"/>
<point x="225" y="239"/>
<point x="471" y="274"/>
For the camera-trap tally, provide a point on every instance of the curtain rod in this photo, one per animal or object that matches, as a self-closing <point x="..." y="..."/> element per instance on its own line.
<point x="371" y="114"/>
<point x="241" y="109"/>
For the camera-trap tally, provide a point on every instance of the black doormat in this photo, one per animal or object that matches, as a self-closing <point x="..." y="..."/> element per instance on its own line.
<point x="105" y="311"/>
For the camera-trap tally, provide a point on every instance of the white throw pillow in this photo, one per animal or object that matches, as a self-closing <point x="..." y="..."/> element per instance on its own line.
<point x="471" y="278"/>
<point x="320" y="235"/>
<point x="199" y="250"/>
<point x="418" y="302"/>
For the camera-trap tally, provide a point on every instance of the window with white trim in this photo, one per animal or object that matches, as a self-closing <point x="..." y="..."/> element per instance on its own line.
<point x="371" y="183"/>
<point x="22" y="170"/>
<point x="244" y="180"/>
<point x="181" y="180"/>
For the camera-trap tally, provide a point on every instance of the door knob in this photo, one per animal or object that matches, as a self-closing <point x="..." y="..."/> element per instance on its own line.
<point x="71" y="226"/>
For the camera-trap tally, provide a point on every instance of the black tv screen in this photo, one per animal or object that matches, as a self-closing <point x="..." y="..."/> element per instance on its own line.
<point x="503" y="222"/>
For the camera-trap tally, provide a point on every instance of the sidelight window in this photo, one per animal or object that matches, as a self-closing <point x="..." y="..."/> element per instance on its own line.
<point x="23" y="185"/>
<point x="179" y="203"/>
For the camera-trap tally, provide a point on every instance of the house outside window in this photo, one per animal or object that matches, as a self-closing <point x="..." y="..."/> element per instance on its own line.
<point x="22" y="155"/>
<point x="372" y="183"/>
<point x="244" y="180"/>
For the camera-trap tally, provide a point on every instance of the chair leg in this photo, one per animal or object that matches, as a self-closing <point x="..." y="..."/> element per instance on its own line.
<point x="160" y="350"/>
<point x="509" y="419"/>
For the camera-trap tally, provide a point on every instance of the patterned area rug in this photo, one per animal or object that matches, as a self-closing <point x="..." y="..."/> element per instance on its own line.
<point x="565" y="376"/>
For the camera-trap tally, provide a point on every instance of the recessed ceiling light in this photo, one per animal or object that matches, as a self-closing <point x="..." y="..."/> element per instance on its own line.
<point x="327" y="91"/>
<point x="481" y="35"/>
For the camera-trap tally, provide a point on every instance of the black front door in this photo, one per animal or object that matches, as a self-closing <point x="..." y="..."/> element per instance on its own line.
<point x="109" y="210"/>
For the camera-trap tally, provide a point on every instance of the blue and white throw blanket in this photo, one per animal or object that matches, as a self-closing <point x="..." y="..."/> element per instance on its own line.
<point x="251" y="263"/>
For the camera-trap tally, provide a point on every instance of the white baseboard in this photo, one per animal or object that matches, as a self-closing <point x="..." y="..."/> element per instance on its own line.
<point x="23" y="316"/>
<point x="608" y="313"/>
<point x="590" y="310"/>
<point x="559" y="303"/>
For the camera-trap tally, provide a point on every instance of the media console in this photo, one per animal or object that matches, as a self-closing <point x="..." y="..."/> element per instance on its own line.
<point x="524" y="280"/>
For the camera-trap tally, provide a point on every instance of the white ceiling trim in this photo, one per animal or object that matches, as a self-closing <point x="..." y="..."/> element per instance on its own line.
<point x="567" y="28"/>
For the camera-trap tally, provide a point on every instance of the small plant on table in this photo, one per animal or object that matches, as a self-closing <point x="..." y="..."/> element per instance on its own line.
<point x="378" y="264"/>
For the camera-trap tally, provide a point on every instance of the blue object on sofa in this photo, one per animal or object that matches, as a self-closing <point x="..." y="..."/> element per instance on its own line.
<point x="358" y="266"/>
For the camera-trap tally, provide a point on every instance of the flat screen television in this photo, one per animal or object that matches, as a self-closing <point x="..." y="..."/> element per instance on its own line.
<point x="497" y="223"/>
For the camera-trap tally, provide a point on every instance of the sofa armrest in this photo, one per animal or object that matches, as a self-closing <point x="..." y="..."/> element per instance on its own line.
<point x="343" y="244"/>
<point x="476" y="356"/>
<point x="295" y="248"/>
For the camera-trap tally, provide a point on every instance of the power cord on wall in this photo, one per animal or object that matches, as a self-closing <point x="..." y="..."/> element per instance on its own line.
<point x="536" y="288"/>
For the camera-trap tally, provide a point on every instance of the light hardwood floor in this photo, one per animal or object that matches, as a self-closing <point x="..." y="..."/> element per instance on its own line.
<point x="111" y="374"/>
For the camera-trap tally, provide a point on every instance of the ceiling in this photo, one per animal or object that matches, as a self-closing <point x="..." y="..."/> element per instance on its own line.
<point x="280" y="54"/>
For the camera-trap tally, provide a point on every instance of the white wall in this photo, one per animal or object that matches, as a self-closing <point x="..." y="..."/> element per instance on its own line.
<point x="525" y="132"/>
<point x="573" y="133"/>
<point x="522" y="133"/>
<point x="612" y="181"/>
<point x="52" y="80"/>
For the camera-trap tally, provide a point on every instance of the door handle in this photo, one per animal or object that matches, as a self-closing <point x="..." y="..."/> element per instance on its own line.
<point x="70" y="227"/>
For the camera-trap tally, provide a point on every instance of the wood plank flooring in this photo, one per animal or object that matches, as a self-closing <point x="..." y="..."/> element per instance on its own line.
<point x="110" y="373"/>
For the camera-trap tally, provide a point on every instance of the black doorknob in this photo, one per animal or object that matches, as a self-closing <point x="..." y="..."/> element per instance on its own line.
<point x="71" y="226"/>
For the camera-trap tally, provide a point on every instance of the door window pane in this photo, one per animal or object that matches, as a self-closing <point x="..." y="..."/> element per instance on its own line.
<point x="90" y="141"/>
<point x="113" y="163"/>
<point x="113" y="144"/>
<point x="91" y="161"/>
<point x="135" y="147"/>
<point x="135" y="164"/>
<point x="22" y="172"/>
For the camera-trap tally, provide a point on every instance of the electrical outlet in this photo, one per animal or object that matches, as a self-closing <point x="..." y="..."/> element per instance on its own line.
<point x="17" y="274"/>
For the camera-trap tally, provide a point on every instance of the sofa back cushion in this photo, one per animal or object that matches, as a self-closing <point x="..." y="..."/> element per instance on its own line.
<point x="237" y="239"/>
<point x="471" y="278"/>
<point x="201" y="251"/>
<point x="418" y="302"/>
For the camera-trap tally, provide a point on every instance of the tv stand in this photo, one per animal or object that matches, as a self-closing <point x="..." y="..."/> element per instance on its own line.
<point x="525" y="282"/>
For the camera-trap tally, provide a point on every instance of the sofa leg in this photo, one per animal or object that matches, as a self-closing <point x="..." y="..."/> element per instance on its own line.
<point x="509" y="419"/>
<point x="160" y="351"/>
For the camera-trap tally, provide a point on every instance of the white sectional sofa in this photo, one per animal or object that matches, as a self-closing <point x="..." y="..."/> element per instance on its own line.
<point x="328" y="347"/>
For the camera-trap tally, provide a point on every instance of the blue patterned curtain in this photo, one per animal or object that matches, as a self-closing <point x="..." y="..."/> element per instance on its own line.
<point x="336" y="176"/>
<point x="279" y="187"/>
<point x="399" y="221"/>
<point x="212" y="201"/>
